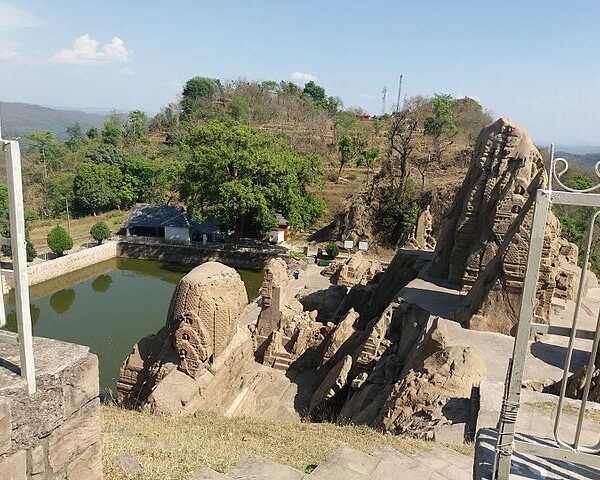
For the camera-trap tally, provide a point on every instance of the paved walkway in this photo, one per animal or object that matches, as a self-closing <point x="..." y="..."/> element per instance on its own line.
<point x="438" y="463"/>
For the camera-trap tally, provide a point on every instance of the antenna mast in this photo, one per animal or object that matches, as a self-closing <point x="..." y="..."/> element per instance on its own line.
<point x="383" y="99"/>
<point x="399" y="94"/>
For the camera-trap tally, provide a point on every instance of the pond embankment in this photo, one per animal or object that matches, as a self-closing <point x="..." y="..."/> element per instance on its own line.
<point x="246" y="257"/>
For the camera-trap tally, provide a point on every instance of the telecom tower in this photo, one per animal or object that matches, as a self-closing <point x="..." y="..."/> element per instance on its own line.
<point x="399" y="94"/>
<point x="383" y="99"/>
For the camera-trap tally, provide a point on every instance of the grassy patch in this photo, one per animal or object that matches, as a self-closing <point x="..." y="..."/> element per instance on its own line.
<point x="80" y="227"/>
<point x="591" y="414"/>
<point x="169" y="448"/>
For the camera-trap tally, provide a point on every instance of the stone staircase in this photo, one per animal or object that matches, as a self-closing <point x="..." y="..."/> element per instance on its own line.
<point x="437" y="463"/>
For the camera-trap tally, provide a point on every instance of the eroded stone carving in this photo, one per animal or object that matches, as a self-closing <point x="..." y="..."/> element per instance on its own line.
<point x="421" y="237"/>
<point x="201" y="322"/>
<point x="485" y="235"/>
<point x="358" y="270"/>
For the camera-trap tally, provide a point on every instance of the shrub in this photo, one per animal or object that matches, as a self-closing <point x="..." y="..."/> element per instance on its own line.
<point x="59" y="240"/>
<point x="30" y="251"/>
<point x="332" y="249"/>
<point x="100" y="232"/>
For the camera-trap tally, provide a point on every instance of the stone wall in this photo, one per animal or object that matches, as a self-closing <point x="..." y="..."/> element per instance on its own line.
<point x="54" y="433"/>
<point x="48" y="270"/>
<point x="245" y="258"/>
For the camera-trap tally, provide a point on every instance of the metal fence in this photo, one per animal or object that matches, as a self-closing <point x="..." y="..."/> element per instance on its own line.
<point x="564" y="449"/>
<point x="9" y="149"/>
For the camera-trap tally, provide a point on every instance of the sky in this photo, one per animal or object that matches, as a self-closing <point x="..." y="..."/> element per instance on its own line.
<point x="535" y="62"/>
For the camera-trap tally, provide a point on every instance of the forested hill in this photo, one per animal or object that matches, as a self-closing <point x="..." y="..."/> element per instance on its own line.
<point x="584" y="160"/>
<point x="21" y="119"/>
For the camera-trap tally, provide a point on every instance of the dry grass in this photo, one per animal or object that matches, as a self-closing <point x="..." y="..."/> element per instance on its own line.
<point x="591" y="414"/>
<point x="169" y="448"/>
<point x="80" y="227"/>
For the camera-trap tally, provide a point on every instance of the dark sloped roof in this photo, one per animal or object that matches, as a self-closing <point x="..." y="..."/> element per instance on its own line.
<point x="145" y="215"/>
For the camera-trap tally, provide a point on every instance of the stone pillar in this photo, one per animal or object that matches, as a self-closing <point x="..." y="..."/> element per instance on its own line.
<point x="54" y="433"/>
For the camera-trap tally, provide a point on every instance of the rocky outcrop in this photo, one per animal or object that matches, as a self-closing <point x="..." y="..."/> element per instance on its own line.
<point x="485" y="235"/>
<point x="357" y="270"/>
<point x="166" y="372"/>
<point x="421" y="237"/>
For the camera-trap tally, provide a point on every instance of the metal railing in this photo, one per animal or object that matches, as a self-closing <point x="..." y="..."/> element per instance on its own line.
<point x="9" y="149"/>
<point x="563" y="449"/>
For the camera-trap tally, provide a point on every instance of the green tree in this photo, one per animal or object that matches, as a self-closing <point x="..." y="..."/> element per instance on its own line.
<point x="346" y="150"/>
<point x="92" y="133"/>
<point x="332" y="249"/>
<point x="100" y="232"/>
<point x="45" y="145"/>
<point x="75" y="135"/>
<point x="239" y="109"/>
<point x="440" y="126"/>
<point x="136" y="127"/>
<point x="97" y="188"/>
<point x="242" y="177"/>
<point x="580" y="182"/>
<point x="197" y="93"/>
<point x="109" y="154"/>
<point x="316" y="93"/>
<point x="59" y="240"/>
<point x="111" y="131"/>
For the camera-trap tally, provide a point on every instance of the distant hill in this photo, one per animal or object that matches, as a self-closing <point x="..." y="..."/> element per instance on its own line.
<point x="585" y="160"/>
<point x="20" y="119"/>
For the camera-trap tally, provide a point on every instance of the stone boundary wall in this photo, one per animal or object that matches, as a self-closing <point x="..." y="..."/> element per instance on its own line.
<point x="43" y="271"/>
<point x="54" y="433"/>
<point x="245" y="258"/>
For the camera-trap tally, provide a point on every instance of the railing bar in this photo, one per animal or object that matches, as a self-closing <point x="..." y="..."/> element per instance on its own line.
<point x="577" y="199"/>
<point x="590" y="368"/>
<point x="557" y="453"/>
<point x="562" y="331"/>
<point x="571" y="345"/>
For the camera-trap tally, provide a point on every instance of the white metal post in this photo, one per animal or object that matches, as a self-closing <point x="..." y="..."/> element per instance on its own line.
<point x="18" y="245"/>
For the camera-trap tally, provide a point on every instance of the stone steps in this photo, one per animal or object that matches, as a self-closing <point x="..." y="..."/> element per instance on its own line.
<point x="345" y="463"/>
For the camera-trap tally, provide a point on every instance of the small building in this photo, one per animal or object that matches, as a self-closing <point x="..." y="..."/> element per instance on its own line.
<point x="168" y="222"/>
<point x="282" y="232"/>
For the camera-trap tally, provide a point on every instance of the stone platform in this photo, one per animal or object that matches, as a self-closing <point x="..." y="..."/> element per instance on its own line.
<point x="438" y="463"/>
<point x="54" y="433"/>
<point x="525" y="467"/>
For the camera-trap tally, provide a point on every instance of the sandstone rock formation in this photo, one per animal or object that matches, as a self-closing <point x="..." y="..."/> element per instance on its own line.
<point x="166" y="371"/>
<point x="485" y="235"/>
<point x="421" y="237"/>
<point x="358" y="270"/>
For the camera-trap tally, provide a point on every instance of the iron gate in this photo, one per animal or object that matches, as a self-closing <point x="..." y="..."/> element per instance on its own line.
<point x="563" y="449"/>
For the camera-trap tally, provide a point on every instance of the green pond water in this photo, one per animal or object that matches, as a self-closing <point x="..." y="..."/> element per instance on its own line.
<point x="109" y="307"/>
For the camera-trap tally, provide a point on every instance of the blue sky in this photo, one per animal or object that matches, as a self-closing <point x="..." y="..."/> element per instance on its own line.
<point x="537" y="62"/>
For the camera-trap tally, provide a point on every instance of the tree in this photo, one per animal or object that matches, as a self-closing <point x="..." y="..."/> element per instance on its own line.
<point x="332" y="249"/>
<point x="109" y="154"/>
<point x="97" y="188"/>
<point x="242" y="177"/>
<point x="239" y="108"/>
<point x="316" y="93"/>
<point x="136" y="127"/>
<point x="402" y="135"/>
<point x="92" y="133"/>
<point x="197" y="93"/>
<point x="100" y="232"/>
<point x="367" y="158"/>
<point x="74" y="135"/>
<point x="45" y="145"/>
<point x="59" y="240"/>
<point x="440" y="126"/>
<point x="346" y="149"/>
<point x="111" y="131"/>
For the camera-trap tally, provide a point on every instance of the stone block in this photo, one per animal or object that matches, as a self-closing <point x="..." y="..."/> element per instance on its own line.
<point x="80" y="385"/>
<point x="74" y="436"/>
<point x="5" y="427"/>
<point x="14" y="467"/>
<point x="37" y="460"/>
<point x="87" y="465"/>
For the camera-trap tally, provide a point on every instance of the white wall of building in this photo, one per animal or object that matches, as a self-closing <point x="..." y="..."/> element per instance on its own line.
<point x="177" y="233"/>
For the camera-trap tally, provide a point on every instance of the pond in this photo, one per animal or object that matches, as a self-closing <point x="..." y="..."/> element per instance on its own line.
<point x="109" y="307"/>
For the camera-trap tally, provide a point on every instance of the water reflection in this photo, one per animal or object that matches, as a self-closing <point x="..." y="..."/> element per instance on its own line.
<point x="102" y="283"/>
<point x="62" y="300"/>
<point x="11" y="318"/>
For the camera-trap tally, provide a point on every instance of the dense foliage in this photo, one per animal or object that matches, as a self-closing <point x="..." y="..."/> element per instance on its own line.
<point x="59" y="240"/>
<point x="100" y="232"/>
<point x="242" y="177"/>
<point x="332" y="250"/>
